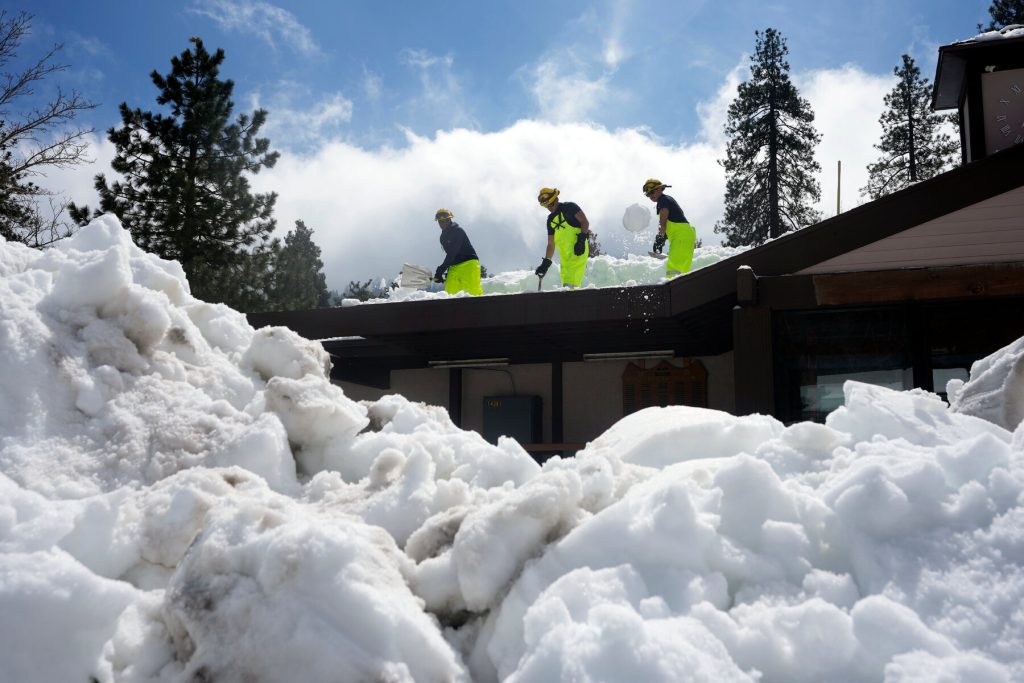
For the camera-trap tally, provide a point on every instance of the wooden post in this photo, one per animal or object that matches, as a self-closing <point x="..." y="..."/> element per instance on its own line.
<point x="455" y="395"/>
<point x="557" y="408"/>
<point x="839" y="187"/>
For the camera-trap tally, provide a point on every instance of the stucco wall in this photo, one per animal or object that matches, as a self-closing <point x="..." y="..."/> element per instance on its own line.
<point x="592" y="392"/>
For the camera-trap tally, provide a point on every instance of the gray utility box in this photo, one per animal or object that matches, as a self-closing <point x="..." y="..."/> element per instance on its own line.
<point x="515" y="416"/>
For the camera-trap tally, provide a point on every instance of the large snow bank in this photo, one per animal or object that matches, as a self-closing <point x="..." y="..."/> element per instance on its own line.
<point x="185" y="498"/>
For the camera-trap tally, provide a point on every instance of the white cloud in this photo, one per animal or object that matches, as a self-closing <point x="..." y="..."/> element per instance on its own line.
<point x="372" y="209"/>
<point x="847" y="103"/>
<point x="441" y="100"/>
<point x="269" y="22"/>
<point x="549" y="82"/>
<point x="373" y="85"/>
<point x="76" y="183"/>
<point x="294" y="122"/>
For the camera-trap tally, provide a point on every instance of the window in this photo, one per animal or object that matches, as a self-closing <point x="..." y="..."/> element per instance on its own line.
<point x="663" y="385"/>
<point x="899" y="347"/>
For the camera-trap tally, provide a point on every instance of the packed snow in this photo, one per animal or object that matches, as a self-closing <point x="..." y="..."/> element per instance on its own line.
<point x="185" y="498"/>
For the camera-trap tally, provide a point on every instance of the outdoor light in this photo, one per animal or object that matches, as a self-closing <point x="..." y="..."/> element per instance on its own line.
<point x="468" y="363"/>
<point x="630" y="355"/>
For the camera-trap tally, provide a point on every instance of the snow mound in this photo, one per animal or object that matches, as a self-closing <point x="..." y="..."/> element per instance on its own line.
<point x="995" y="391"/>
<point x="183" y="497"/>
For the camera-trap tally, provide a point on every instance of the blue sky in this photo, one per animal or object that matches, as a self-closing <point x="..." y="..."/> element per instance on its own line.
<point x="432" y="100"/>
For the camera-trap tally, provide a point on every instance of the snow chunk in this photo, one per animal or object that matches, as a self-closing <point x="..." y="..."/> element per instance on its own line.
<point x="995" y="390"/>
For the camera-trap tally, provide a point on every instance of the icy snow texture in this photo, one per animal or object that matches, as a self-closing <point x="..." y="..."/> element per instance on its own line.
<point x="185" y="498"/>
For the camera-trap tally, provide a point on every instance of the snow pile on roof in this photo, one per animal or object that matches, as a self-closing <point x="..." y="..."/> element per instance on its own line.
<point x="185" y="498"/>
<point x="602" y="271"/>
<point x="1011" y="31"/>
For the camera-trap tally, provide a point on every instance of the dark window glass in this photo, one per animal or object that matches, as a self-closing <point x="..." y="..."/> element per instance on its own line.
<point x="817" y="351"/>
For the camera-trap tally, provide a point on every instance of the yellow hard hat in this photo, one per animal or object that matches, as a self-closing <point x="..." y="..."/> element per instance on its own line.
<point x="653" y="184"/>
<point x="443" y="213"/>
<point x="547" y="196"/>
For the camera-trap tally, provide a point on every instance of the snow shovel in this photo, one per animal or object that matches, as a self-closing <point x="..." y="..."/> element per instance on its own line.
<point x="415" y="277"/>
<point x="540" y="281"/>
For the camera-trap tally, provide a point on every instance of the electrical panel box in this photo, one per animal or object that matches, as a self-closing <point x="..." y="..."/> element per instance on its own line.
<point x="515" y="416"/>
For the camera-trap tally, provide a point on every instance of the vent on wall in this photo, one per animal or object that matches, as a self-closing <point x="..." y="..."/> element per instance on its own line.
<point x="664" y="384"/>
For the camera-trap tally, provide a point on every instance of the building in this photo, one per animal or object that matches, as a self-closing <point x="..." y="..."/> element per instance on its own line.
<point x="906" y="291"/>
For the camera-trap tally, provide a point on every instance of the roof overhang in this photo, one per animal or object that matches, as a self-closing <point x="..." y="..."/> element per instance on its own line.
<point x="956" y="60"/>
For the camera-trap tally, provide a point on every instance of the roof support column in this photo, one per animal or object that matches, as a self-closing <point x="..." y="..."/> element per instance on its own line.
<point x="455" y="395"/>
<point x="557" y="406"/>
<point x="752" y="348"/>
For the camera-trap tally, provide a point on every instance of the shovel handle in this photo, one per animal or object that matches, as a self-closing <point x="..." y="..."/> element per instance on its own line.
<point x="540" y="281"/>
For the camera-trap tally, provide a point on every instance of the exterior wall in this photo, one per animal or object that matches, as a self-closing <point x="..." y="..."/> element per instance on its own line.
<point x="592" y="392"/>
<point x="427" y="385"/>
<point x="991" y="231"/>
<point x="528" y="380"/>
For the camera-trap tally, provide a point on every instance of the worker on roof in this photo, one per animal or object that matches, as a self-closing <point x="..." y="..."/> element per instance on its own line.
<point x="568" y="229"/>
<point x="460" y="271"/>
<point x="672" y="227"/>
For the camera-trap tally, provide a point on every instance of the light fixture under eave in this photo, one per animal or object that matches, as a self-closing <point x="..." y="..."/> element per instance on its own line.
<point x="630" y="355"/>
<point x="468" y="363"/>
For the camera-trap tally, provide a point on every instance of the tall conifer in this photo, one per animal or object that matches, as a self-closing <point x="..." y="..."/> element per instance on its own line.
<point x="769" y="164"/>
<point x="299" y="282"/>
<point x="1004" y="13"/>
<point x="913" y="145"/>
<point x="184" y="192"/>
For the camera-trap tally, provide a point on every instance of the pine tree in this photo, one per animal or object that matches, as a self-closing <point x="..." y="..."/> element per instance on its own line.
<point x="298" y="280"/>
<point x="184" y="193"/>
<point x="913" y="145"/>
<point x="769" y="164"/>
<point x="1004" y="13"/>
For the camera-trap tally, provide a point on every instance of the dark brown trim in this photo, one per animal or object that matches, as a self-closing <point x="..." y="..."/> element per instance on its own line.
<point x="957" y="60"/>
<point x="919" y="284"/>
<point x="557" y="403"/>
<point x="455" y="395"/>
<point x="752" y="360"/>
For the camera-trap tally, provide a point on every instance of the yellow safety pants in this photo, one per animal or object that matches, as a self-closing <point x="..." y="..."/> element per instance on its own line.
<point x="572" y="266"/>
<point x="682" y="238"/>
<point x="464" y="277"/>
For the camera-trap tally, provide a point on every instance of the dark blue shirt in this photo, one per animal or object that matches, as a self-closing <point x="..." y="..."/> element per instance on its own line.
<point x="675" y="212"/>
<point x="457" y="248"/>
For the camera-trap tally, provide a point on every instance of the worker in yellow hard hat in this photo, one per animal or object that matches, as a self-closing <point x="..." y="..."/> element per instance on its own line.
<point x="568" y="229"/>
<point x="460" y="271"/>
<point x="673" y="228"/>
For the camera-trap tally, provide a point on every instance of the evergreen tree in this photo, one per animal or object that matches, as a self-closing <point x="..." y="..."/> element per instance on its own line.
<point x="359" y="290"/>
<point x="769" y="164"/>
<point x="913" y="145"/>
<point x="298" y="281"/>
<point x="184" y="193"/>
<point x="595" y="246"/>
<point x="34" y="137"/>
<point x="1004" y="13"/>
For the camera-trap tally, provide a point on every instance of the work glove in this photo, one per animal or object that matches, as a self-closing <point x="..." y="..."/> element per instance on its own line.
<point x="542" y="269"/>
<point x="581" y="244"/>
<point x="439" y="274"/>
<point x="659" y="244"/>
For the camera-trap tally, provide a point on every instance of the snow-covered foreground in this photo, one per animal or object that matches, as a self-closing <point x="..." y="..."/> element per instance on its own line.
<point x="183" y="498"/>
